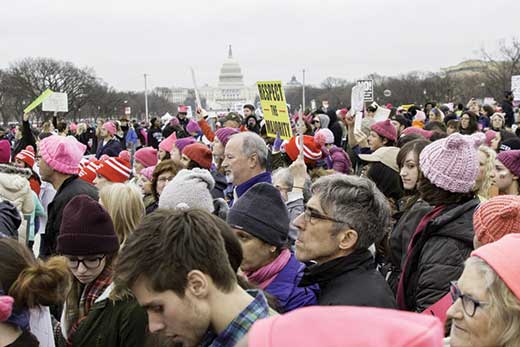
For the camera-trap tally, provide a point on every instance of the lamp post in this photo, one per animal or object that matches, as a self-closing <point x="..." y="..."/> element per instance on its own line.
<point x="146" y="98"/>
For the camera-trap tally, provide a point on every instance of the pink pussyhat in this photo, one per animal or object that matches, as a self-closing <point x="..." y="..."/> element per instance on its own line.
<point x="6" y="307"/>
<point x="167" y="144"/>
<point x="340" y="326"/>
<point x="63" y="154"/>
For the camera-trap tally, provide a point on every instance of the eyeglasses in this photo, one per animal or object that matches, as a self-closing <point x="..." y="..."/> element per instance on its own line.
<point x="309" y="214"/>
<point x="468" y="303"/>
<point x="165" y="179"/>
<point x="315" y="122"/>
<point x="89" y="263"/>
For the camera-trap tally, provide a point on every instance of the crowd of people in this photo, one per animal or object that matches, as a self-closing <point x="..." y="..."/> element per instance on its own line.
<point x="196" y="231"/>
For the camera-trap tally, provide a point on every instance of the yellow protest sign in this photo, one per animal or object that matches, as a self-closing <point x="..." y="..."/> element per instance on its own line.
<point x="406" y="107"/>
<point x="274" y="107"/>
<point x="38" y="100"/>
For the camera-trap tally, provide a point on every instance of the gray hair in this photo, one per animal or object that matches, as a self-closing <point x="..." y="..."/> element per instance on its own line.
<point x="253" y="144"/>
<point x="284" y="176"/>
<point x="358" y="203"/>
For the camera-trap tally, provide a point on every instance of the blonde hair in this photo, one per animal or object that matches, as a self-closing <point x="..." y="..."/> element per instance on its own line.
<point x="82" y="127"/>
<point x="125" y="206"/>
<point x="483" y="188"/>
<point x="504" y="306"/>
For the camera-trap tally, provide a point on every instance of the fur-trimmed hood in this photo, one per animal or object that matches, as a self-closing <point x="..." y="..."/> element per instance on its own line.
<point x="14" y="183"/>
<point x="13" y="170"/>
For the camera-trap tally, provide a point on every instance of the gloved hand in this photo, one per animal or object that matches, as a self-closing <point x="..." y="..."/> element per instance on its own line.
<point x="277" y="143"/>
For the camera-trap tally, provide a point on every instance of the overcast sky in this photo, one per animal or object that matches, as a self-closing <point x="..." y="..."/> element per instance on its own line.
<point x="272" y="39"/>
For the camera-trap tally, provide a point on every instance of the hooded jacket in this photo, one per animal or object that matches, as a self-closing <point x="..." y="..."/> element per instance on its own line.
<point x="437" y="255"/>
<point x="10" y="219"/>
<point x="335" y="127"/>
<point x="351" y="280"/>
<point x="15" y="188"/>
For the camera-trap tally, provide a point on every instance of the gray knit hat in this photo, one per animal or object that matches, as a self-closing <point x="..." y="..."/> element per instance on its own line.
<point x="262" y="213"/>
<point x="189" y="189"/>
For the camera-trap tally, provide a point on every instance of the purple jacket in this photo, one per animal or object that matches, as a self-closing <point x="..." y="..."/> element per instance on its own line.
<point x="285" y="288"/>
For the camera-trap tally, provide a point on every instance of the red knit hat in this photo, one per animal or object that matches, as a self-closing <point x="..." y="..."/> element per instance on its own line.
<point x="311" y="150"/>
<point x="497" y="217"/>
<point x="200" y="154"/>
<point x="27" y="155"/>
<point x="88" y="172"/>
<point x="385" y="129"/>
<point x="511" y="160"/>
<point x="115" y="170"/>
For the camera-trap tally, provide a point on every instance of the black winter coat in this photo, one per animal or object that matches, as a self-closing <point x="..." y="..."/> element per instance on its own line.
<point x="350" y="281"/>
<point x="438" y="255"/>
<point x="507" y="108"/>
<point x="112" y="148"/>
<point x="154" y="137"/>
<point x="26" y="140"/>
<point x="72" y="187"/>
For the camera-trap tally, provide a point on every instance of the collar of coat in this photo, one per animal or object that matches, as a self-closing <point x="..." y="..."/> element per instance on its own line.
<point x="13" y="170"/>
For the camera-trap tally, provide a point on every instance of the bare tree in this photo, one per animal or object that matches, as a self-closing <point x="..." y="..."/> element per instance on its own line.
<point x="500" y="66"/>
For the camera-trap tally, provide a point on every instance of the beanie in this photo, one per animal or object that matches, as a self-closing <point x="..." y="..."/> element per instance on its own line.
<point x="364" y="326"/>
<point x="174" y="122"/>
<point x="385" y="129"/>
<point x="511" y="160"/>
<point x="452" y="163"/>
<point x="503" y="257"/>
<point x="6" y="307"/>
<point x="262" y="213"/>
<point x="414" y="130"/>
<point x="311" y="150"/>
<point x="148" y="172"/>
<point x="182" y="109"/>
<point x="86" y="229"/>
<point x="115" y="170"/>
<point x="181" y="143"/>
<point x="192" y="127"/>
<point x="147" y="156"/>
<point x="497" y="217"/>
<point x="189" y="189"/>
<point x="27" y="155"/>
<point x="125" y="155"/>
<point x="88" y="173"/>
<point x="62" y="154"/>
<point x="200" y="154"/>
<point x="512" y="143"/>
<point x="110" y="127"/>
<point x="167" y="144"/>
<point x="73" y="126"/>
<point x="5" y="151"/>
<point x="490" y="135"/>
<point x="224" y="134"/>
<point x="324" y="137"/>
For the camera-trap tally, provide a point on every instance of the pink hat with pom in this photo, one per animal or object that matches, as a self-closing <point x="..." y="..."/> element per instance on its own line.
<point x="490" y="135"/>
<point x="110" y="127"/>
<point x="148" y="172"/>
<point x="125" y="155"/>
<point x="452" y="163"/>
<point x="167" y="144"/>
<point x="340" y="326"/>
<point x="324" y="137"/>
<point x="63" y="154"/>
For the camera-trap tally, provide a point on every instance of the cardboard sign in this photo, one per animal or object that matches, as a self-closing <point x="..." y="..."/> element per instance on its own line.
<point x="56" y="102"/>
<point x="368" y="87"/>
<point x="38" y="100"/>
<point x="382" y="114"/>
<point x="356" y="102"/>
<point x="515" y="87"/>
<point x="274" y="107"/>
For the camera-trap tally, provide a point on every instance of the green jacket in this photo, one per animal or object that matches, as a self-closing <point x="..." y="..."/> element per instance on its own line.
<point x="112" y="324"/>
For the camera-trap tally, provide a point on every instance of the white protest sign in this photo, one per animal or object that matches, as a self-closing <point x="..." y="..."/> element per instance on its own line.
<point x="56" y="102"/>
<point x="515" y="87"/>
<point x="489" y="101"/>
<point x="368" y="87"/>
<point x="128" y="110"/>
<point x="382" y="114"/>
<point x="356" y="102"/>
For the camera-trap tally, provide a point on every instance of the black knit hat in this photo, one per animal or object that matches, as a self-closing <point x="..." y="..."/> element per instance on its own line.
<point x="86" y="229"/>
<point x="262" y="213"/>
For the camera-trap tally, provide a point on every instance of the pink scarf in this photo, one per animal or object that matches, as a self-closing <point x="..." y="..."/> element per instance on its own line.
<point x="264" y="276"/>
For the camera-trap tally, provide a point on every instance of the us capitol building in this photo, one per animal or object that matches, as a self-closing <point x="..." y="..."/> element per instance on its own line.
<point x="230" y="94"/>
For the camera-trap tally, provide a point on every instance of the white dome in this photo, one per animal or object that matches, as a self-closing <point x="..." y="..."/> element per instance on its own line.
<point x="230" y="72"/>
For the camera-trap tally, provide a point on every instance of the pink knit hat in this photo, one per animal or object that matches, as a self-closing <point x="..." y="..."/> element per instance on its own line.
<point x="490" y="135"/>
<point x="5" y="151"/>
<point x="73" y="127"/>
<point x="503" y="257"/>
<point x="125" y="155"/>
<point x="385" y="129"/>
<point x="148" y="172"/>
<point x="167" y="144"/>
<point x="192" y="127"/>
<point x="63" y="154"/>
<point x="182" y="109"/>
<point x="340" y="326"/>
<point x="324" y="137"/>
<point x="110" y="127"/>
<point x="147" y="156"/>
<point x="511" y="160"/>
<point x="6" y="307"/>
<point x="414" y="130"/>
<point x="224" y="134"/>
<point x="452" y="163"/>
<point x="174" y="122"/>
<point x="497" y="217"/>
<point x="185" y="141"/>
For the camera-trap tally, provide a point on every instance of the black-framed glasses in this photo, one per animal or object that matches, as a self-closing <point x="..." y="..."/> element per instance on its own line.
<point x="311" y="214"/>
<point x="469" y="304"/>
<point x="89" y="263"/>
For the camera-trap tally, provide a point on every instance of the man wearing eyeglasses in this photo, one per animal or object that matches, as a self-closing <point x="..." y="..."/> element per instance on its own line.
<point x="343" y="218"/>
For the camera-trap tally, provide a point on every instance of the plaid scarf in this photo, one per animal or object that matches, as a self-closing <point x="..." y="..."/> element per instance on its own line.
<point x="90" y="294"/>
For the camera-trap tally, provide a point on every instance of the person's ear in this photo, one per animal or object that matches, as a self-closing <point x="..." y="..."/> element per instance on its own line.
<point x="347" y="239"/>
<point x="197" y="284"/>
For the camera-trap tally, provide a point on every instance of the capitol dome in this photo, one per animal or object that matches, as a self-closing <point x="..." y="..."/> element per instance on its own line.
<point x="230" y="73"/>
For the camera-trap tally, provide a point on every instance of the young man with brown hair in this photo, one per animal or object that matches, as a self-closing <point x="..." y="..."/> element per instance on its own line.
<point x="177" y="267"/>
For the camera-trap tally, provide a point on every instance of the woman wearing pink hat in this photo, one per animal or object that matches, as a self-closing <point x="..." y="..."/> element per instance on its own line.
<point x="486" y="298"/>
